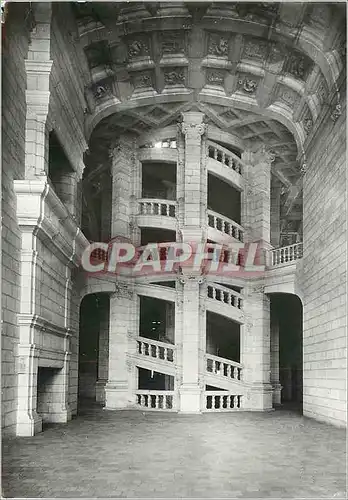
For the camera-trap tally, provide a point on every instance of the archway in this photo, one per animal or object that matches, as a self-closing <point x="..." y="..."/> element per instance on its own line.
<point x="93" y="349"/>
<point x="287" y="350"/>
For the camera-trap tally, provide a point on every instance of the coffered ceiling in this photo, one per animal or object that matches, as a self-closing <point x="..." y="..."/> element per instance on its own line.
<point x="262" y="71"/>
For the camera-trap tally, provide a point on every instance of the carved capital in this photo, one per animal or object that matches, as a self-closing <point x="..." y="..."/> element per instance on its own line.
<point x="193" y="129"/>
<point x="122" y="290"/>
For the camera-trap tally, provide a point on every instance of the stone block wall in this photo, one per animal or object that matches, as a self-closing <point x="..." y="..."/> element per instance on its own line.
<point x="324" y="283"/>
<point x="14" y="51"/>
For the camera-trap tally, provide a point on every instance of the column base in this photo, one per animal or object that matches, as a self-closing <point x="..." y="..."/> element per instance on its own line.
<point x="117" y="397"/>
<point x="190" y="399"/>
<point x="277" y="394"/>
<point x="28" y="425"/>
<point x="259" y="398"/>
<point x="100" y="390"/>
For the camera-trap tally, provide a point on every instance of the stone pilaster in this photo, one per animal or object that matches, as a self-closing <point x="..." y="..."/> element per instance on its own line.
<point x="117" y="390"/>
<point x="256" y="198"/>
<point x="191" y="345"/>
<point x="255" y="349"/>
<point x="38" y="68"/>
<point x="193" y="218"/>
<point x="123" y="156"/>
<point x="28" y="421"/>
<point x="103" y="355"/>
<point x="277" y="388"/>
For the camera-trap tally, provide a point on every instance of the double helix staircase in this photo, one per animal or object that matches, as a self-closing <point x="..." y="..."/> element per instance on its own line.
<point x="224" y="375"/>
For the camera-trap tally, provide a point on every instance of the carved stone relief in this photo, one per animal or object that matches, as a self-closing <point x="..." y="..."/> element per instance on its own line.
<point x="215" y="77"/>
<point x="173" y="42"/>
<point x="138" y="48"/>
<point x="174" y="76"/>
<point x="247" y="85"/>
<point x="255" y="49"/>
<point x="218" y="45"/>
<point x="142" y="80"/>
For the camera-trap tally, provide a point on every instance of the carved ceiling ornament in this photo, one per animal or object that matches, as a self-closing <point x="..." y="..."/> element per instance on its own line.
<point x="308" y="124"/>
<point x="289" y="96"/>
<point x="173" y="42"/>
<point x="218" y="45"/>
<point x="101" y="90"/>
<point x="215" y="77"/>
<point x="174" y="76"/>
<point x="247" y="85"/>
<point x="298" y="65"/>
<point x="336" y="113"/>
<point x="142" y="80"/>
<point x="255" y="49"/>
<point x="138" y="48"/>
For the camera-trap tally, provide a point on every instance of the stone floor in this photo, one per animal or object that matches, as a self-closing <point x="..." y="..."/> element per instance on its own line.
<point x="137" y="455"/>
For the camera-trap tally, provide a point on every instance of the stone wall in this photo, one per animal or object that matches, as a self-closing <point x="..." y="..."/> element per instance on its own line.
<point x="325" y="275"/>
<point x="14" y="51"/>
<point x="53" y="254"/>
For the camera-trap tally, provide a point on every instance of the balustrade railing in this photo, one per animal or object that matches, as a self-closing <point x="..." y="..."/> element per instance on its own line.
<point x="223" y="367"/>
<point x="225" y="225"/>
<point x="286" y="254"/>
<point x="152" y="206"/>
<point x="225" y="295"/>
<point x="155" y="349"/>
<point x="225" y="157"/>
<point x="156" y="400"/>
<point x="222" y="401"/>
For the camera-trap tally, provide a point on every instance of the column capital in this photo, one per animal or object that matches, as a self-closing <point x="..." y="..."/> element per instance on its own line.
<point x="192" y="124"/>
<point x="123" y="290"/>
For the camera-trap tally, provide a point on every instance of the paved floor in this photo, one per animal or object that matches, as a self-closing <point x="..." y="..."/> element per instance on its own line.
<point x="137" y="455"/>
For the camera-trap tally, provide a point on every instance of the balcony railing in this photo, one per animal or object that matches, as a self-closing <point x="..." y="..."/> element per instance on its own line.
<point x="286" y="255"/>
<point x="225" y="295"/>
<point x="222" y="401"/>
<point x="152" y="206"/>
<point x="224" y="156"/>
<point x="156" y="400"/>
<point x="223" y="367"/>
<point x="155" y="349"/>
<point x="225" y="225"/>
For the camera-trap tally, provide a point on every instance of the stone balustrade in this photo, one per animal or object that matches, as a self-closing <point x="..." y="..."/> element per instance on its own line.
<point x="222" y="401"/>
<point x="225" y="225"/>
<point x="225" y="295"/>
<point x="223" y="367"/>
<point x="156" y="400"/>
<point x="153" y="206"/>
<point x="286" y="255"/>
<point x="156" y="349"/>
<point x="225" y="157"/>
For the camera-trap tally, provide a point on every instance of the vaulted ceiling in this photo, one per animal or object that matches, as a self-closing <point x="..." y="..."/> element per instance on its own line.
<point x="260" y="71"/>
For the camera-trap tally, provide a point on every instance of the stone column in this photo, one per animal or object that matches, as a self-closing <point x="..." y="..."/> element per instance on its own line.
<point x="255" y="349"/>
<point x="103" y="355"/>
<point x="275" y="212"/>
<point x="193" y="129"/>
<point x="170" y="322"/>
<point x="123" y="156"/>
<point x="117" y="389"/>
<point x="256" y="197"/>
<point x="190" y="390"/>
<point x="277" y="388"/>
